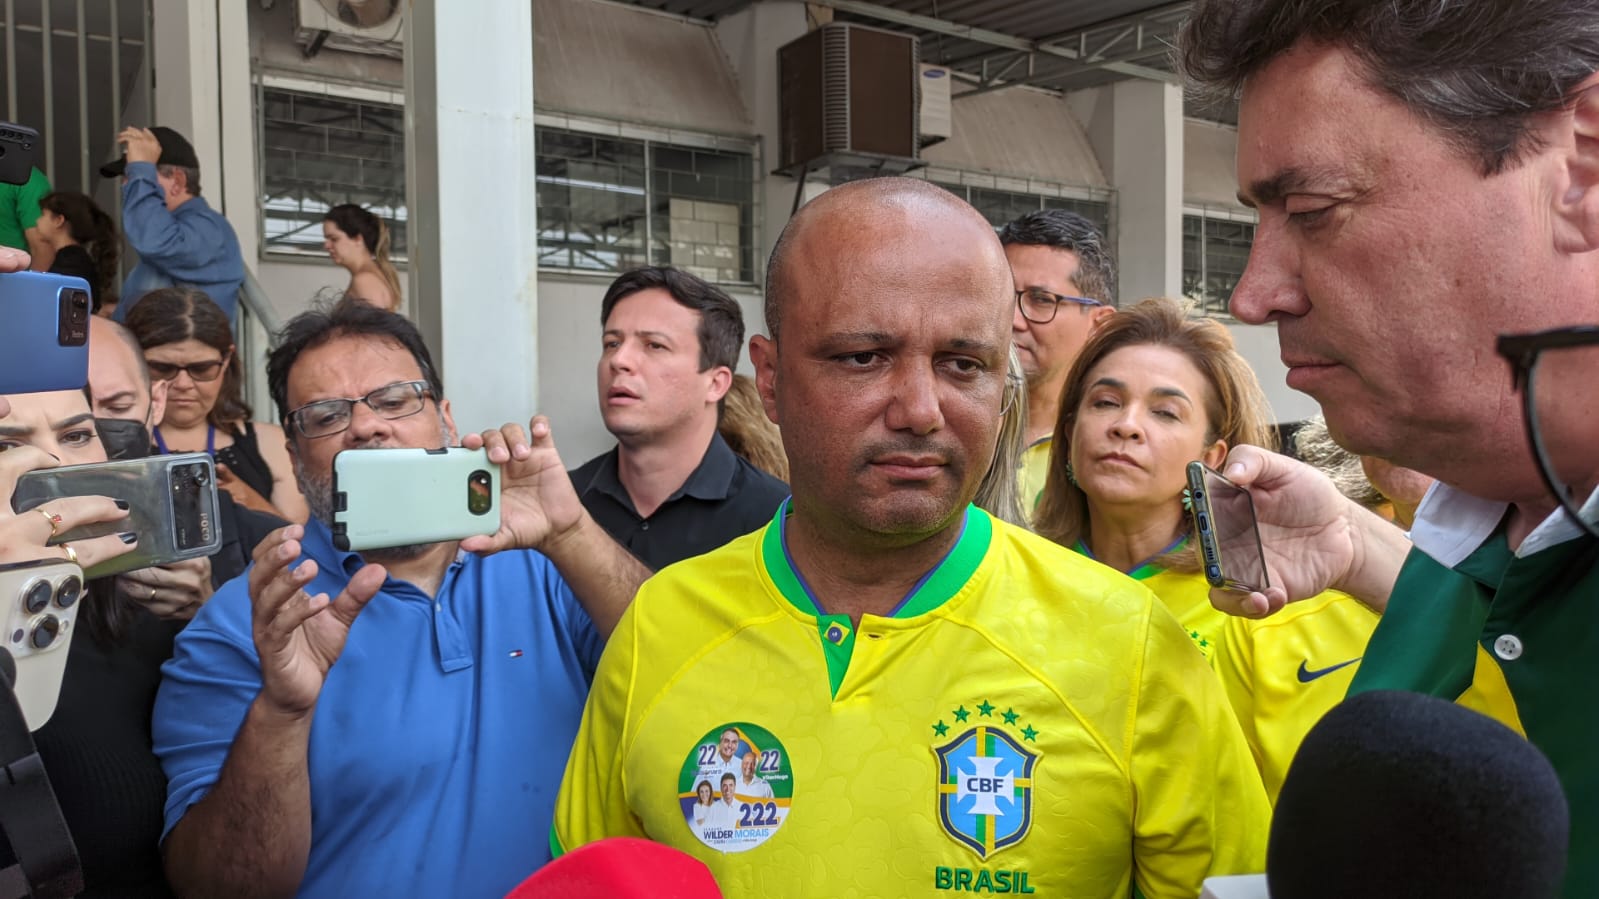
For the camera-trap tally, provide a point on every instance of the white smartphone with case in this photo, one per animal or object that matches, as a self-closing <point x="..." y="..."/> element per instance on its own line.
<point x="384" y="498"/>
<point x="40" y="608"/>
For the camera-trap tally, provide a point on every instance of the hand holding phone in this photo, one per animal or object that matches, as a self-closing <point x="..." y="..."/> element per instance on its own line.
<point x="1229" y="538"/>
<point x="25" y="537"/>
<point x="173" y="502"/>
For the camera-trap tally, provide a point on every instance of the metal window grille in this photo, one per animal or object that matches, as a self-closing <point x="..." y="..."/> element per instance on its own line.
<point x="320" y="150"/>
<point x="1215" y="251"/>
<point x="1002" y="200"/>
<point x="610" y="202"/>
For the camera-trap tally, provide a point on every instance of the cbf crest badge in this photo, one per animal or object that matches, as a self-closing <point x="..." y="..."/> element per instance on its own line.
<point x="985" y="779"/>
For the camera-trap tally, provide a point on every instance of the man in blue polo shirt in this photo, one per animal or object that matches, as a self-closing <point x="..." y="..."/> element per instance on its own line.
<point x="426" y="763"/>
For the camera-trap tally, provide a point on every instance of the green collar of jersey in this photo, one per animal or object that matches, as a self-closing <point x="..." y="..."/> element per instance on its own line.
<point x="1146" y="569"/>
<point x="933" y="590"/>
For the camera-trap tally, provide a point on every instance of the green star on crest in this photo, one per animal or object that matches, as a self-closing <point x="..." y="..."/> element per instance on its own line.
<point x="1010" y="716"/>
<point x="940" y="729"/>
<point x="986" y="709"/>
<point x="961" y="714"/>
<point x="1203" y="643"/>
<point x="1028" y="734"/>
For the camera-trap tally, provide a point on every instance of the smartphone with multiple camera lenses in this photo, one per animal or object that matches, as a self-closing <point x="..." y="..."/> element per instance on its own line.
<point x="172" y="499"/>
<point x="1229" y="537"/>
<point x="41" y="600"/>
<point x="384" y="498"/>
<point x="47" y="324"/>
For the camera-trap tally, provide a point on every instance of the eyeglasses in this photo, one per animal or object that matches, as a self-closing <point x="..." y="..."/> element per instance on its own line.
<point x="199" y="371"/>
<point x="324" y="418"/>
<point x="1039" y="306"/>
<point x="1554" y="371"/>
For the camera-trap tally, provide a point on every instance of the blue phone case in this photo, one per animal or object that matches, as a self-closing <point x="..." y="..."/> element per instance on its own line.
<point x="47" y="332"/>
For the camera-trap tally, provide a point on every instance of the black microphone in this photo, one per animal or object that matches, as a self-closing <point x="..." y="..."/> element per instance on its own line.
<point x="1402" y="795"/>
<point x="8" y="669"/>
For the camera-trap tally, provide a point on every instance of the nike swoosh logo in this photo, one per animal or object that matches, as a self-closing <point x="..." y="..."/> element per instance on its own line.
<point x="1306" y="675"/>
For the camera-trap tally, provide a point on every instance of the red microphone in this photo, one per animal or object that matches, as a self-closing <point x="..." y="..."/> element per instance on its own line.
<point x="621" y="868"/>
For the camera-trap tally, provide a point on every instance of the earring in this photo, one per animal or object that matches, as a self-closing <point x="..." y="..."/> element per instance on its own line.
<point x="1188" y="500"/>
<point x="1071" y="475"/>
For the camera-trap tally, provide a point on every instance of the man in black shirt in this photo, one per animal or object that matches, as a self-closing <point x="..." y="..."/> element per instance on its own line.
<point x="671" y="488"/>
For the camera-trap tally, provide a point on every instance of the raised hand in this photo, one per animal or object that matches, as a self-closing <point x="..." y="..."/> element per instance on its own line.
<point x="537" y="502"/>
<point x="26" y="536"/>
<point x="299" y="636"/>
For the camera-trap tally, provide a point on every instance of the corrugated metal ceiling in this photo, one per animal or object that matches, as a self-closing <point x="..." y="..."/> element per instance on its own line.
<point x="1050" y="44"/>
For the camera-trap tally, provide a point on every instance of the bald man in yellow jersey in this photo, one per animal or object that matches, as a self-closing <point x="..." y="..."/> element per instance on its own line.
<point x="940" y="702"/>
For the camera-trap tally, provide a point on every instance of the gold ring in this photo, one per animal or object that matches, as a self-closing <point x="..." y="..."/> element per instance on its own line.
<point x="55" y="520"/>
<point x="152" y="594"/>
<point x="72" y="554"/>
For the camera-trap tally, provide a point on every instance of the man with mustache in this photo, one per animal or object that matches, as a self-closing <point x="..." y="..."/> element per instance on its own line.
<point x="671" y="488"/>
<point x="425" y="762"/>
<point x="936" y="697"/>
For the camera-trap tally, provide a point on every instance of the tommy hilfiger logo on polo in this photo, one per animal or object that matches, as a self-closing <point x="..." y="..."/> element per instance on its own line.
<point x="985" y="778"/>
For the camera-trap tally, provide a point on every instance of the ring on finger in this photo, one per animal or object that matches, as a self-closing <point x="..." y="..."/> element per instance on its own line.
<point x="152" y="594"/>
<point x="54" y="519"/>
<point x="72" y="554"/>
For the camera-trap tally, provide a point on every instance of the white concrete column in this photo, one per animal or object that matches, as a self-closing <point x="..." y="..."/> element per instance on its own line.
<point x="751" y="38"/>
<point x="201" y="63"/>
<point x="1136" y="129"/>
<point x="470" y="191"/>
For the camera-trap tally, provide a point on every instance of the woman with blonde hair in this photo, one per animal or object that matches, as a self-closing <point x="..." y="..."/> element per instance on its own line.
<point x="359" y="241"/>
<point x="1153" y="390"/>
<point x="1000" y="493"/>
<point x="747" y="430"/>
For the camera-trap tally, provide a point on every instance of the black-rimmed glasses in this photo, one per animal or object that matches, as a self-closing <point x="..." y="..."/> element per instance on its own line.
<point x="199" y="371"/>
<point x="1556" y="372"/>
<point x="1039" y="306"/>
<point x="324" y="418"/>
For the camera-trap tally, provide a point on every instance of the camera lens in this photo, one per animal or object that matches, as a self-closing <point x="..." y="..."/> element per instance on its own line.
<point x="45" y="632"/>
<point x="36" y="596"/>
<point x="69" y="591"/>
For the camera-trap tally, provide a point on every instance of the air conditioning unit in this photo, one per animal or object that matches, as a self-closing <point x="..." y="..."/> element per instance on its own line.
<point x="848" y="92"/>
<point x="361" y="26"/>
<point x="936" y="123"/>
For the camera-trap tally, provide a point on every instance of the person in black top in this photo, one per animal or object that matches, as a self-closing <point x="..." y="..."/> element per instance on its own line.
<point x="188" y="343"/>
<point x="671" y="489"/>
<point x="85" y="242"/>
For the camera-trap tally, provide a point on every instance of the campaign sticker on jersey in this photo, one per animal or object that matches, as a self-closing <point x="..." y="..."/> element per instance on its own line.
<point x="985" y="779"/>
<point x="736" y="787"/>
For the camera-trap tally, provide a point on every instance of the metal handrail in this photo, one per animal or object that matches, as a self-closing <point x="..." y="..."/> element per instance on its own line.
<point x="255" y="323"/>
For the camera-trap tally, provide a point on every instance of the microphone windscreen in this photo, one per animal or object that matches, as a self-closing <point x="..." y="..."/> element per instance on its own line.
<point x="1402" y="795"/>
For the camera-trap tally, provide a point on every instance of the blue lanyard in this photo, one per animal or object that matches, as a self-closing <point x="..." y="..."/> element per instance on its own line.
<point x="210" y="441"/>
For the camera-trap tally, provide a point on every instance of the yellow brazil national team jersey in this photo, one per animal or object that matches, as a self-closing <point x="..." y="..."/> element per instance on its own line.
<point x="1186" y="596"/>
<point x="1032" y="474"/>
<point x="1284" y="672"/>
<point x="1025" y="722"/>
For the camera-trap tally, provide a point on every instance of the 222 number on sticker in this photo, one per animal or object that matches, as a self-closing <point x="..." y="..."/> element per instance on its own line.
<point x="758" y="814"/>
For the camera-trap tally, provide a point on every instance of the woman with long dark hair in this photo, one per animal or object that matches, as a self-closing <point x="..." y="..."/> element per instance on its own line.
<point x="187" y="341"/>
<point x="359" y="241"/>
<point x="85" y="241"/>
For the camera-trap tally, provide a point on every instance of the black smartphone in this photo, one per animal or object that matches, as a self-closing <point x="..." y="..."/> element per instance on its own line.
<point x="1229" y="536"/>
<point x="18" y="144"/>
<point x="173" y="500"/>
